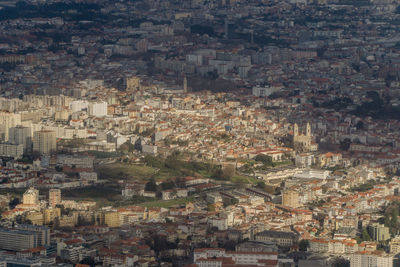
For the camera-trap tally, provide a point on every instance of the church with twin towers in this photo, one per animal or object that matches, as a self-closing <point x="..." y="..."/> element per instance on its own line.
<point x="303" y="141"/>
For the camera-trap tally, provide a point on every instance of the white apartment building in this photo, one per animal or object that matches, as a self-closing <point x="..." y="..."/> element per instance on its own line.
<point x="370" y="260"/>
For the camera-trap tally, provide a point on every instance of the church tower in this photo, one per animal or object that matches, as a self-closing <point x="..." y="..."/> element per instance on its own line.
<point x="295" y="130"/>
<point x="308" y="129"/>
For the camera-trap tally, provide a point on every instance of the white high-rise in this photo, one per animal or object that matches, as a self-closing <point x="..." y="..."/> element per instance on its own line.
<point x="97" y="109"/>
<point x="8" y="120"/>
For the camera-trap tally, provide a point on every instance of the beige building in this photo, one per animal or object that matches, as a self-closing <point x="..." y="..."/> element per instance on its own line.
<point x="113" y="219"/>
<point x="35" y="217"/>
<point x="49" y="215"/>
<point x="133" y="83"/>
<point x="290" y="198"/>
<point x="68" y="220"/>
<point x="44" y="142"/>
<point x="31" y="197"/>
<point x="62" y="115"/>
<point x="395" y="245"/>
<point x="54" y="197"/>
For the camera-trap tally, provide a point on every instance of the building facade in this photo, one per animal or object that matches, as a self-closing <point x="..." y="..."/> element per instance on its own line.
<point x="44" y="142"/>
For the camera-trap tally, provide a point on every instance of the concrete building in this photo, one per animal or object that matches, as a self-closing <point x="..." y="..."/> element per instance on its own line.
<point x="395" y="245"/>
<point x="215" y="257"/>
<point x="283" y="239"/>
<point x="8" y="120"/>
<point x="17" y="240"/>
<point x="290" y="198"/>
<point x="79" y="105"/>
<point x="370" y="260"/>
<point x="54" y="197"/>
<point x="378" y="232"/>
<point x="42" y="232"/>
<point x="6" y="261"/>
<point x="72" y="253"/>
<point x="21" y="135"/>
<point x="44" y="142"/>
<point x="11" y="150"/>
<point x="264" y="91"/>
<point x="49" y="215"/>
<point x="31" y="197"/>
<point x="35" y="217"/>
<point x="97" y="109"/>
<point x="113" y="219"/>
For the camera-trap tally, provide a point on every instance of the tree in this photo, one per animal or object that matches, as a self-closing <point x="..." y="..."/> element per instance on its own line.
<point x="340" y="262"/>
<point x="365" y="236"/>
<point x="304" y="244"/>
<point x="35" y="155"/>
<point x="151" y="186"/>
<point x="230" y="201"/>
<point x="124" y="148"/>
<point x="88" y="261"/>
<point x="263" y="158"/>
<point x="360" y="125"/>
<point x="211" y="207"/>
<point x="167" y="185"/>
<point x="261" y="185"/>
<point x="387" y="220"/>
<point x="58" y="168"/>
<point x="228" y="172"/>
<point x="345" y="144"/>
<point x="14" y="203"/>
<point x="395" y="215"/>
<point x="172" y="161"/>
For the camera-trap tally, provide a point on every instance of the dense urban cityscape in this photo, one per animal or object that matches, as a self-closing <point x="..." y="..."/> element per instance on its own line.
<point x="200" y="133"/>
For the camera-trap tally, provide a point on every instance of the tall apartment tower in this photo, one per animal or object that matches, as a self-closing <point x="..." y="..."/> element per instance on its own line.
<point x="54" y="197"/>
<point x="290" y="198"/>
<point x="8" y="120"/>
<point x="20" y="135"/>
<point x="44" y="142"/>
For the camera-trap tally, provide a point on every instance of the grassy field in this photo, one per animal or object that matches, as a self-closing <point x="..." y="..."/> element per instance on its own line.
<point x="167" y="203"/>
<point x="164" y="174"/>
<point x="118" y="171"/>
<point x="102" y="194"/>
<point x="240" y="179"/>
